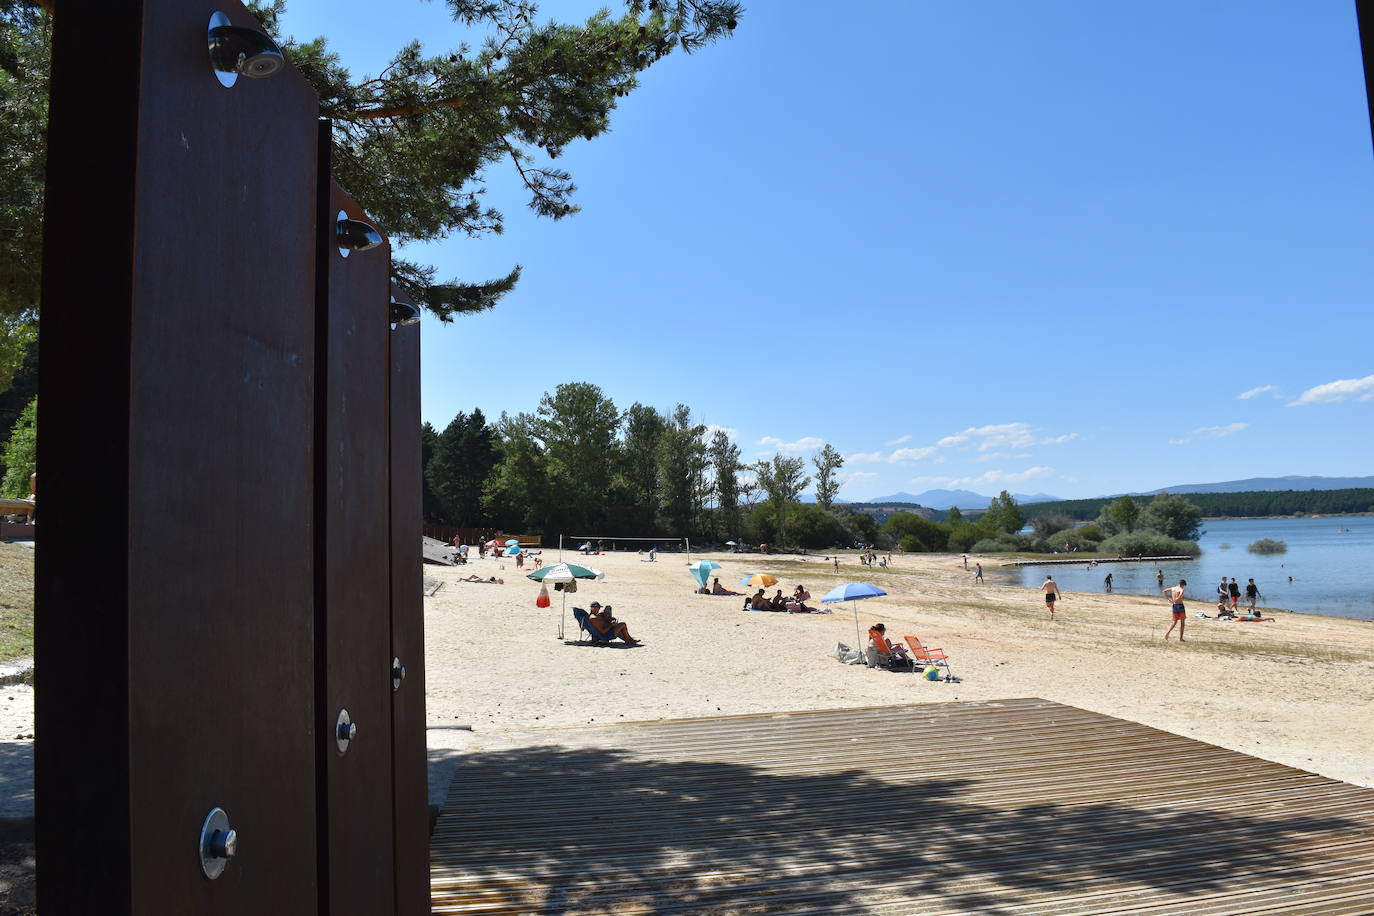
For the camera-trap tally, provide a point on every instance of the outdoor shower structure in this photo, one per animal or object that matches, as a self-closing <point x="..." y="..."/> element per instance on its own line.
<point x="230" y="688"/>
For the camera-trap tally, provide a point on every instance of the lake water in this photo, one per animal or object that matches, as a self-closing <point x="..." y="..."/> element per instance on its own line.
<point x="1332" y="571"/>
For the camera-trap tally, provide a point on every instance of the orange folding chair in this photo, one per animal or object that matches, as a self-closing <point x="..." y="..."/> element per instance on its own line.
<point x="928" y="656"/>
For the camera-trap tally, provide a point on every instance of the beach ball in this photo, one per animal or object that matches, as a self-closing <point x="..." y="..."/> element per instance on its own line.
<point x="931" y="673"/>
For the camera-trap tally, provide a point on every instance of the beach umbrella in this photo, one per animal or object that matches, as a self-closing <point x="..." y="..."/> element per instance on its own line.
<point x="851" y="592"/>
<point x="492" y="543"/>
<point x="732" y="543"/>
<point x="512" y="542"/>
<point x="701" y="570"/>
<point x="763" y="579"/>
<point x="512" y="551"/>
<point x="564" y="572"/>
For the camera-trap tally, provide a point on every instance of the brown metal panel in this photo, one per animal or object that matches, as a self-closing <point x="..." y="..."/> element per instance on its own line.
<point x="410" y="767"/>
<point x="220" y="443"/>
<point x="82" y="604"/>
<point x="355" y="590"/>
<point x="180" y="308"/>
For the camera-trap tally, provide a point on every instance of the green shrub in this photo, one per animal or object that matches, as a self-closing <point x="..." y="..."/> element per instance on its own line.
<point x="932" y="536"/>
<point x="1003" y="543"/>
<point x="1067" y="540"/>
<point x="21" y="453"/>
<point x="1268" y="545"/>
<point x="1089" y="532"/>
<point x="1147" y="544"/>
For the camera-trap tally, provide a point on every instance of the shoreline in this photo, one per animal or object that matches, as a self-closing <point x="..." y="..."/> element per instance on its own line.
<point x="1296" y="691"/>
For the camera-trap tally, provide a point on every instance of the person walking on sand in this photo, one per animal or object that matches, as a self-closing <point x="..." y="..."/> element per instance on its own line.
<point x="837" y="563"/>
<point x="1234" y="589"/>
<point x="979" y="577"/>
<point x="1251" y="593"/>
<point x="1177" y="611"/>
<point x="965" y="561"/>
<point x="1051" y="591"/>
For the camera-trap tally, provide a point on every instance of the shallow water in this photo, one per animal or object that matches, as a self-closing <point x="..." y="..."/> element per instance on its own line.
<point x="1332" y="571"/>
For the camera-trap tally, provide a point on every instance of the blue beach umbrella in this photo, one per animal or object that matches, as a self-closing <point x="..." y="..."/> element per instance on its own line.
<point x="851" y="592"/>
<point x="701" y="570"/>
<point x="512" y="551"/>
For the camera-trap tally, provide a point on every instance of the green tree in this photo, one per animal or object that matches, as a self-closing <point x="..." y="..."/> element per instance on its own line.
<point x="25" y="46"/>
<point x="953" y="516"/>
<point x="412" y="144"/>
<point x="644" y="431"/>
<point x="682" y="472"/>
<point x="1004" y="513"/>
<point x="1172" y="516"/>
<point x="429" y="503"/>
<point x="783" y="479"/>
<point x="1046" y="525"/>
<point x="916" y="533"/>
<point x="724" y="457"/>
<point x="21" y="453"/>
<point x="1124" y="513"/>
<point x="577" y="425"/>
<point x="464" y="455"/>
<point x="519" y="494"/>
<point x="827" y="462"/>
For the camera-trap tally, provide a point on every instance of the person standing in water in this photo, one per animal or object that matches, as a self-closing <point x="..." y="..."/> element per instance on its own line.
<point x="1176" y="609"/>
<point x="1159" y="577"/>
<point x="1051" y="591"/>
<point x="1107" y="583"/>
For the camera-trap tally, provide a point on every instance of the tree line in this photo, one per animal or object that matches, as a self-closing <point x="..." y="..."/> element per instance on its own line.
<point x="1168" y="525"/>
<point x="579" y="465"/>
<point x="1246" y="504"/>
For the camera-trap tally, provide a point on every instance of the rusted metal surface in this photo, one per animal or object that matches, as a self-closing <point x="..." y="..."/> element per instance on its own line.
<point x="1021" y="807"/>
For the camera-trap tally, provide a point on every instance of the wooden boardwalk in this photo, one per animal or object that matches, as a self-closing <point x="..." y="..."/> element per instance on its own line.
<point x="1014" y="807"/>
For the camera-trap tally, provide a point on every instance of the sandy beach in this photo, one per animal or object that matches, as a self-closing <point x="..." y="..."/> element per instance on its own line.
<point x="1297" y="691"/>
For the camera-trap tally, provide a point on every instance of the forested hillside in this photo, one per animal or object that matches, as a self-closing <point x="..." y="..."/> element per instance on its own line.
<point x="1250" y="504"/>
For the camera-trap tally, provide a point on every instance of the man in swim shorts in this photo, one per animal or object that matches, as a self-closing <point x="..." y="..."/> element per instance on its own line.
<point x="1051" y="591"/>
<point x="1251" y="593"/>
<point x="1176" y="608"/>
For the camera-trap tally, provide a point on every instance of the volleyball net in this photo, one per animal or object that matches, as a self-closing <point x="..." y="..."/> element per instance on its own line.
<point x="602" y="543"/>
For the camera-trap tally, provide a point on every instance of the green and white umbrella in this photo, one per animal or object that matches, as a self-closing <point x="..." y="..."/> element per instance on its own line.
<point x="564" y="572"/>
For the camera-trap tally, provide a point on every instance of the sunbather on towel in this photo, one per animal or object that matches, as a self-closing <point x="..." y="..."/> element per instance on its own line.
<point x="778" y="602"/>
<point x="760" y="602"/>
<point x="798" y="601"/>
<point x="605" y="627"/>
<point x="718" y="589"/>
<point x="490" y="580"/>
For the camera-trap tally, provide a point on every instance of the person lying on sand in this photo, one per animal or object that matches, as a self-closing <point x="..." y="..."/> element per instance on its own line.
<point x="605" y="627"/>
<point x="718" y="589"/>
<point x="490" y="580"/>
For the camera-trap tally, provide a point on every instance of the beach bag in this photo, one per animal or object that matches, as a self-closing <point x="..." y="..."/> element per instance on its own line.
<point x="543" y="599"/>
<point x="847" y="656"/>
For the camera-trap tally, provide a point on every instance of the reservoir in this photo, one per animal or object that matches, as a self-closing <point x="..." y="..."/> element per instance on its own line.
<point x="1330" y="560"/>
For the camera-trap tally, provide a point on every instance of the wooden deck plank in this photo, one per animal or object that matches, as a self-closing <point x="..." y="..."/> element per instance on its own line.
<point x="1013" y="807"/>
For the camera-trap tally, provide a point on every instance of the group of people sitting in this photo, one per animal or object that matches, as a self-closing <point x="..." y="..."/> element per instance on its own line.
<point x="796" y="604"/>
<point x="601" y="625"/>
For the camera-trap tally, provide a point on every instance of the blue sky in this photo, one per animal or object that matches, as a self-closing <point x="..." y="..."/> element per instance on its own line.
<point x="1070" y="247"/>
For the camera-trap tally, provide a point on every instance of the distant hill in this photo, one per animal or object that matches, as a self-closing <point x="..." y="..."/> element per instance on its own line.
<point x="964" y="499"/>
<point x="1266" y="484"/>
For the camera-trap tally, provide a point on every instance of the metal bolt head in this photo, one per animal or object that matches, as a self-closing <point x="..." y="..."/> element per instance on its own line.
<point x="345" y="730"/>
<point x="224" y="844"/>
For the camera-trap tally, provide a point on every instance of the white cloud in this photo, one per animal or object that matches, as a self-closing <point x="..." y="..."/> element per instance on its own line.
<point x="911" y="454"/>
<point x="986" y="478"/>
<point x="1210" y="432"/>
<point x="898" y="441"/>
<point x="1346" y="389"/>
<point x="712" y="429"/>
<point x="1001" y="436"/>
<point x="1256" y="392"/>
<point x="864" y="457"/>
<point x="859" y="475"/>
<point x="998" y="456"/>
<point x="804" y="444"/>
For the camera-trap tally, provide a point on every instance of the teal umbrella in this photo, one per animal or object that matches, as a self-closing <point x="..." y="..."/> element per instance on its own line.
<point x="564" y="572"/>
<point x="701" y="570"/>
